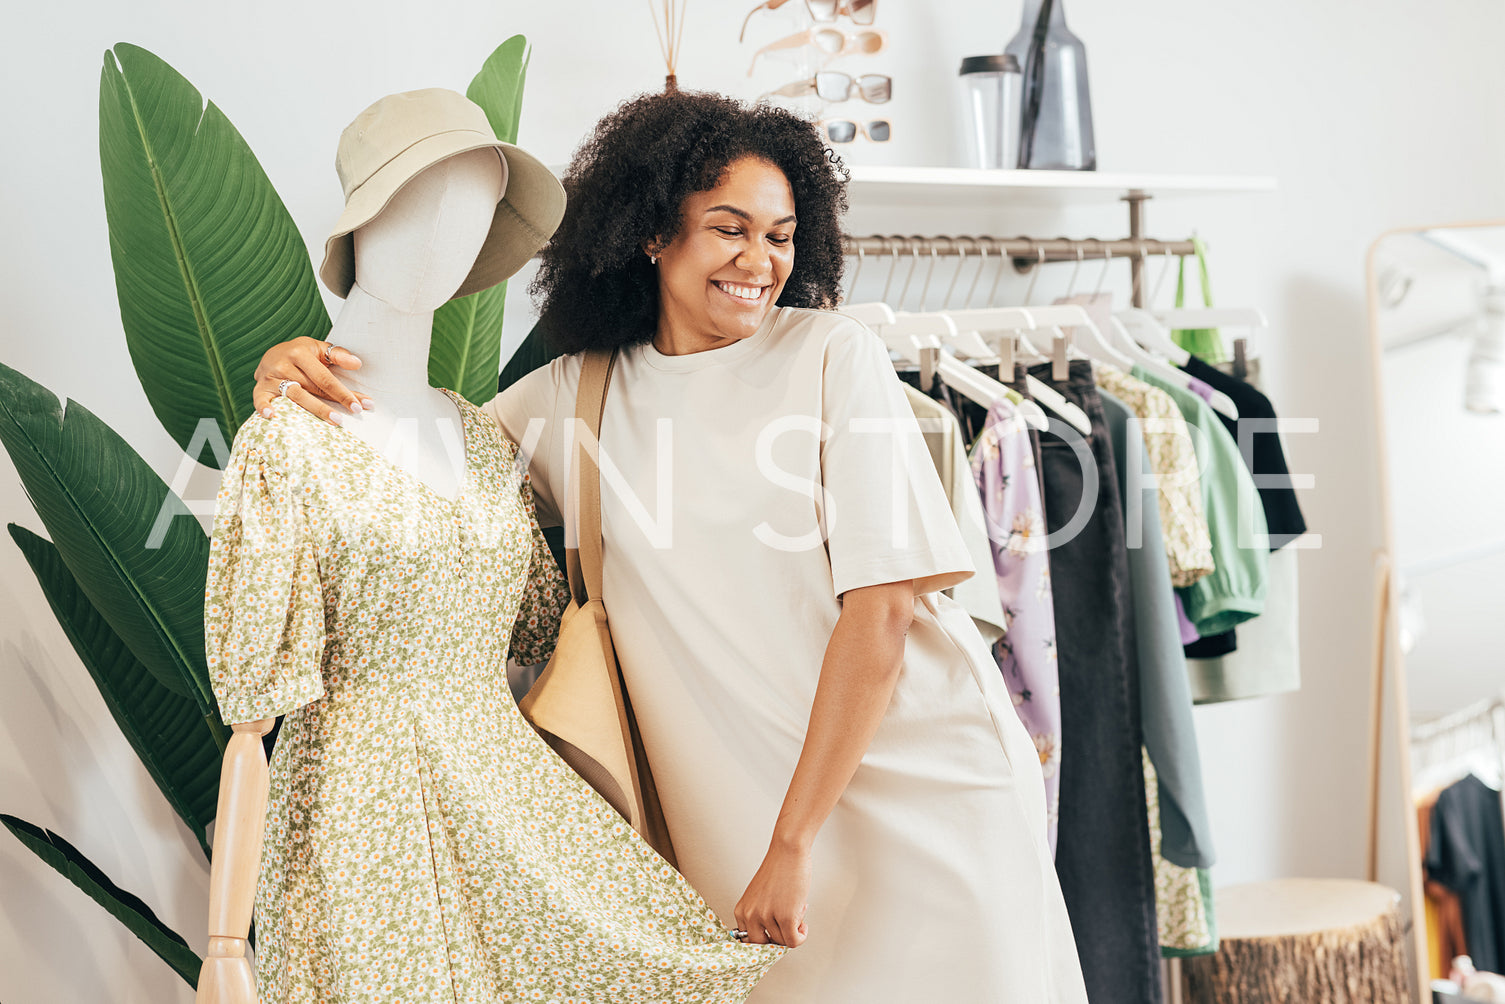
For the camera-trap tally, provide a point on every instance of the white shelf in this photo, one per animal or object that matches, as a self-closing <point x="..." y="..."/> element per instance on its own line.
<point x="961" y="186"/>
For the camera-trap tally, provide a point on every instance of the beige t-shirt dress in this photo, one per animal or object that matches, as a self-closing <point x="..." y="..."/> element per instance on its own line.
<point x="744" y="490"/>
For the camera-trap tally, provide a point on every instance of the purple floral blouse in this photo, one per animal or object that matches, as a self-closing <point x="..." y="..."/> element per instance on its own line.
<point x="1003" y="464"/>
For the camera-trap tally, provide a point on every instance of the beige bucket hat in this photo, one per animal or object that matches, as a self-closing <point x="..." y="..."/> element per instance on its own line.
<point x="395" y="140"/>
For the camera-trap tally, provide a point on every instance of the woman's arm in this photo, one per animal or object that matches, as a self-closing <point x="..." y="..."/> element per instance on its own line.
<point x="857" y="679"/>
<point x="303" y="361"/>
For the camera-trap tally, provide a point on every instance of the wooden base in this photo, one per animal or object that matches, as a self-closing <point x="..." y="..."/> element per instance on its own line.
<point x="1304" y="941"/>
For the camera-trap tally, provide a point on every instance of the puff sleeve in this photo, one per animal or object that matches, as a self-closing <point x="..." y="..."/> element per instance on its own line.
<point x="263" y="601"/>
<point x="545" y="595"/>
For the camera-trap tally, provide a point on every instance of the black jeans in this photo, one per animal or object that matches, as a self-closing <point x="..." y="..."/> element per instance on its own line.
<point x="1103" y="850"/>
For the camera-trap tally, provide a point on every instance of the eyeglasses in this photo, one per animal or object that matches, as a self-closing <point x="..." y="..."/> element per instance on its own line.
<point x="846" y="130"/>
<point x="833" y="85"/>
<point x="830" y="41"/>
<point x="860" y="11"/>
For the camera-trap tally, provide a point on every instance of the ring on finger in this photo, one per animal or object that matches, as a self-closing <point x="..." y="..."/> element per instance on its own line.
<point x="283" y="385"/>
<point x="327" y="353"/>
<point x="740" y="935"/>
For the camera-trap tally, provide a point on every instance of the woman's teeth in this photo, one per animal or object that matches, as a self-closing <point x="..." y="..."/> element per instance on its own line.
<point x="741" y="292"/>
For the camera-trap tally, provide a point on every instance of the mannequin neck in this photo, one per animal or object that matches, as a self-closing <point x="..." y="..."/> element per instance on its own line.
<point x="393" y="346"/>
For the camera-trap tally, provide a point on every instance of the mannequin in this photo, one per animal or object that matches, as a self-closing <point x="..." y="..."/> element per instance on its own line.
<point x="409" y="260"/>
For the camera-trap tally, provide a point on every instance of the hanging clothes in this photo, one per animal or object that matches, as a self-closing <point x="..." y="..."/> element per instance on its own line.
<point x="1235" y="591"/>
<point x="1225" y="642"/>
<point x="1268" y="660"/>
<point x="1102" y="853"/>
<point x="1179" y="831"/>
<point x="1007" y="482"/>
<point x="943" y="438"/>
<point x="1173" y="457"/>
<point x="1466" y="853"/>
<point x="1183" y="896"/>
<point x="1445" y="937"/>
<point x="1165" y="698"/>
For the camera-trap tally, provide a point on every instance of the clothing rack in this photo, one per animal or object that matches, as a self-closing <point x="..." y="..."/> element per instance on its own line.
<point x="1026" y="252"/>
<point x="1455" y="738"/>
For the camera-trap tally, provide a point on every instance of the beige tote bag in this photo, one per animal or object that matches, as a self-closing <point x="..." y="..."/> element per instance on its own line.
<point x="580" y="704"/>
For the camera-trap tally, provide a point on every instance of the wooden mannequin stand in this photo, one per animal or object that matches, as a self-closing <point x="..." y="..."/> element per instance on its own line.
<point x="1304" y="941"/>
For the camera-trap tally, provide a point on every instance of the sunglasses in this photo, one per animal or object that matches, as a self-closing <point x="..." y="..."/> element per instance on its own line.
<point x="860" y="11"/>
<point x="846" y="130"/>
<point x="833" y="85"/>
<point x="832" y="42"/>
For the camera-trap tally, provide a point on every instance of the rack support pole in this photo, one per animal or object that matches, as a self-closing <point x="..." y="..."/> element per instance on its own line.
<point x="1136" y="199"/>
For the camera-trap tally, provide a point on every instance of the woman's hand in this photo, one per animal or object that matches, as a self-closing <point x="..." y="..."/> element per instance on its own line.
<point x="772" y="910"/>
<point x="306" y="362"/>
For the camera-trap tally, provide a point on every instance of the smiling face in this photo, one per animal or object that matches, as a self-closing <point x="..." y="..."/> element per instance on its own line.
<point x="728" y="264"/>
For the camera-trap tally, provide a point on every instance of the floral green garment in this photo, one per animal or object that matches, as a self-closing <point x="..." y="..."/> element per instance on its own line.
<point x="423" y="844"/>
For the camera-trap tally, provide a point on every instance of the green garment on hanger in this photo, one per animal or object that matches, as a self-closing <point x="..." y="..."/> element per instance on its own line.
<point x="1235" y="591"/>
<point x="1184" y="914"/>
<point x="1204" y="342"/>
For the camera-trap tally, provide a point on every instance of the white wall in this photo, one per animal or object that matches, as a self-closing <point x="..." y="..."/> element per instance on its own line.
<point x="1370" y="115"/>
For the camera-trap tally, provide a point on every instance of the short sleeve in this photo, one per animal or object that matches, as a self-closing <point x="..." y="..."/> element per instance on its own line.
<point x="545" y="596"/>
<point x="535" y="413"/>
<point x="263" y="601"/>
<point x="886" y="518"/>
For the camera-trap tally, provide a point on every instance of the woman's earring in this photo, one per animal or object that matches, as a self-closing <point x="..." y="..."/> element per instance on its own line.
<point x="653" y="259"/>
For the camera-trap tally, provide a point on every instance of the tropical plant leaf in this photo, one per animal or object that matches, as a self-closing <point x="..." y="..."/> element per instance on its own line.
<point x="498" y="88"/>
<point x="102" y="506"/>
<point x="175" y="743"/>
<point x="128" y="909"/>
<point x="466" y="350"/>
<point x="210" y="270"/>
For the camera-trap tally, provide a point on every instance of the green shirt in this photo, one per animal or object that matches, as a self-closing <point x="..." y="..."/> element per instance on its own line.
<point x="1235" y="591"/>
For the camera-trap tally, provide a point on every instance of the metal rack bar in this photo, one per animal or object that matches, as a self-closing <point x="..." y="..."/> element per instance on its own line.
<point x="1026" y="251"/>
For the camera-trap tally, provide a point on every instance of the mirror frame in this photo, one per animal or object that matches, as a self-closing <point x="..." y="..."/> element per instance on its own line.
<point x="1387" y="652"/>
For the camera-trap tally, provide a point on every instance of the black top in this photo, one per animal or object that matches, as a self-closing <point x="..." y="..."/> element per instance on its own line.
<point x="1466" y="853"/>
<point x="1263" y="456"/>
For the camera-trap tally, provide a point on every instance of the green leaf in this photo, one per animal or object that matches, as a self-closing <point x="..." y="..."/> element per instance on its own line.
<point x="175" y="743"/>
<point x="498" y="88"/>
<point x="102" y="506"/>
<point x="210" y="270"/>
<point x="128" y="909"/>
<point x="466" y="351"/>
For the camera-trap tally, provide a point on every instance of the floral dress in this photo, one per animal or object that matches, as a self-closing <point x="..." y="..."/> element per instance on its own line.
<point x="423" y="844"/>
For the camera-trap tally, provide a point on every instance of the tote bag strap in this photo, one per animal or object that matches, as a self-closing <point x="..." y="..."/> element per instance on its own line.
<point x="583" y="561"/>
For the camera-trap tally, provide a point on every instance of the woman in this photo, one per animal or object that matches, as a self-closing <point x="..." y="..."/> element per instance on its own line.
<point x="836" y="753"/>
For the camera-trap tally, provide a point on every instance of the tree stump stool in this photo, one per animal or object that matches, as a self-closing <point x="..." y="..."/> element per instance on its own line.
<point x="1303" y="941"/>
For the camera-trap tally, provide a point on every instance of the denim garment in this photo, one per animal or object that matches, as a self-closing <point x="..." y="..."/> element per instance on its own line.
<point x="1103" y="845"/>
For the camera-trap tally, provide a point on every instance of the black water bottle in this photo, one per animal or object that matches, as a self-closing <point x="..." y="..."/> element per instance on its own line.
<point x="1055" y="116"/>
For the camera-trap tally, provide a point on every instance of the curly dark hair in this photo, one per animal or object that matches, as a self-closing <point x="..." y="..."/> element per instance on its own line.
<point x="626" y="186"/>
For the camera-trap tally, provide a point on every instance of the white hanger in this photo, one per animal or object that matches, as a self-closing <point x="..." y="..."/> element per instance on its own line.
<point x="1040" y="391"/>
<point x="1085" y="335"/>
<point x="911" y="333"/>
<point x="1143" y="328"/>
<point x="872" y="314"/>
<point x="990" y="319"/>
<point x="1219" y="401"/>
<point x="1212" y="317"/>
